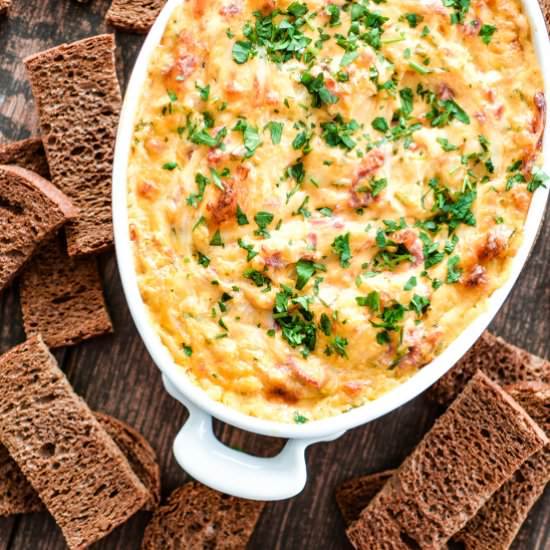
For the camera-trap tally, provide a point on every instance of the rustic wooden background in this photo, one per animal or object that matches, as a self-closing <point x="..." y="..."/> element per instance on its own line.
<point x="116" y="375"/>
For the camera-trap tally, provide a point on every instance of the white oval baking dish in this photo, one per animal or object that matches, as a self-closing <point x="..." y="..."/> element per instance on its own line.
<point x="196" y="448"/>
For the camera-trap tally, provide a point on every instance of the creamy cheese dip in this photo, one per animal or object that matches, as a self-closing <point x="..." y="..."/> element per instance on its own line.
<point x="322" y="196"/>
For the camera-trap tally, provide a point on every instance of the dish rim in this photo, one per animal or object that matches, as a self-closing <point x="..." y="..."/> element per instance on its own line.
<point x="391" y="400"/>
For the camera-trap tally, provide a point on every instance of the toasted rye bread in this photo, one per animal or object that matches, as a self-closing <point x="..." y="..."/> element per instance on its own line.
<point x="496" y="525"/>
<point x="17" y="495"/>
<point x="78" y="99"/>
<point x="354" y="495"/>
<point x="4" y="5"/>
<point x="27" y="153"/>
<point x="500" y="361"/>
<point x="472" y="449"/>
<point x="31" y="209"/>
<point x="62" y="298"/>
<point x="545" y="7"/>
<point x="138" y="452"/>
<point x="77" y="470"/>
<point x="134" y="15"/>
<point x="197" y="517"/>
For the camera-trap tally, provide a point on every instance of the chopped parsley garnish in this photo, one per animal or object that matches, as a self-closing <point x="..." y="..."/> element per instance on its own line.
<point x="443" y="111"/>
<point x="216" y="240"/>
<point x="413" y="19"/>
<point x="217" y="179"/>
<point x="195" y="198"/>
<point x="300" y="418"/>
<point x="337" y="345"/>
<point x="453" y="270"/>
<point x="410" y="284"/>
<point x="305" y="269"/>
<point x="325" y="211"/>
<point x="340" y="246"/>
<point x="170" y="165"/>
<point x="188" y="350"/>
<point x="406" y="97"/>
<point x="251" y="253"/>
<point x="460" y="8"/>
<point x="420" y="69"/>
<point x="295" y="320"/>
<point x="263" y="219"/>
<point x="251" y="136"/>
<point x="204" y="92"/>
<point x="258" y="278"/>
<point x="445" y="145"/>
<point x="278" y="32"/>
<point x="334" y="12"/>
<point x="376" y="186"/>
<point x="451" y="209"/>
<point x="390" y="317"/>
<point x="325" y="325"/>
<point x="337" y="133"/>
<point x="391" y="253"/>
<point x="419" y="304"/>
<point x="315" y="85"/>
<point x="302" y="141"/>
<point x="203" y="137"/>
<point x="172" y="95"/>
<point x="380" y="124"/>
<point x="200" y="221"/>
<point x="371" y="300"/>
<point x="348" y="57"/>
<point x="241" y="217"/>
<point x="276" y="131"/>
<point x="430" y="250"/>
<point x="297" y="172"/>
<point x="202" y="259"/>
<point x="486" y="33"/>
<point x="538" y="179"/>
<point x="242" y="49"/>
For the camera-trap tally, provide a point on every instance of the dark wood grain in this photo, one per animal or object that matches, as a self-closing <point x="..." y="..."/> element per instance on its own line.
<point x="116" y="375"/>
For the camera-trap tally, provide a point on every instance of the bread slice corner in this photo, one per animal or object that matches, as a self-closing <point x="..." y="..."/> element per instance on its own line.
<point x="501" y="361"/>
<point x="134" y="15"/>
<point x="27" y="153"/>
<point x="31" y="210"/>
<point x="196" y="516"/>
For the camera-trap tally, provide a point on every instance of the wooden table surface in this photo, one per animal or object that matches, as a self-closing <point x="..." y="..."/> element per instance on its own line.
<point x="115" y="374"/>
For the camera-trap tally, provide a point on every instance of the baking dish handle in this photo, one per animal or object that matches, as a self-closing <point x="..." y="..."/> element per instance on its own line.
<point x="206" y="459"/>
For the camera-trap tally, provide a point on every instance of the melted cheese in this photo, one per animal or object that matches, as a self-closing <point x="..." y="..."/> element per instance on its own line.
<point x="221" y="312"/>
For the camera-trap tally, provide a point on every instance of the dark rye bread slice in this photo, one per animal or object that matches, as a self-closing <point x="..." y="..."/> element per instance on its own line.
<point x="78" y="99"/>
<point x="545" y="6"/>
<point x="354" y="495"/>
<point x="134" y="15"/>
<point x="500" y="361"/>
<point x="496" y="525"/>
<point x="61" y="297"/>
<point x="140" y="455"/>
<point x="27" y="153"/>
<point x="197" y="517"/>
<point x="472" y="449"/>
<point x="17" y="495"/>
<point x="31" y="209"/>
<point x="77" y="470"/>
